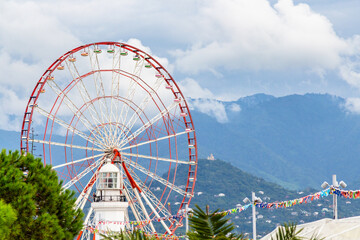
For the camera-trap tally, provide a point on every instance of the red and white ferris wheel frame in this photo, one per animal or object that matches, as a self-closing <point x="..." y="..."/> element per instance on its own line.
<point x="183" y="106"/>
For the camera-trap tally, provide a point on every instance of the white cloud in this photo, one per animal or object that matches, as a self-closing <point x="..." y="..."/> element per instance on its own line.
<point x="350" y="72"/>
<point x="254" y="35"/>
<point x="219" y="37"/>
<point x="11" y="105"/>
<point x="203" y="100"/>
<point x="353" y="105"/>
<point x="192" y="89"/>
<point x="210" y="107"/>
<point x="350" y="67"/>
<point x="31" y="33"/>
<point x="235" y="107"/>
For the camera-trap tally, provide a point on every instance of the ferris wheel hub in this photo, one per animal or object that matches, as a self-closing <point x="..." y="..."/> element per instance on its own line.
<point x="109" y="150"/>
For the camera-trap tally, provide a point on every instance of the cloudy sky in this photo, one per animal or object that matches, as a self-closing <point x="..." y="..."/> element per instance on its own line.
<point x="217" y="49"/>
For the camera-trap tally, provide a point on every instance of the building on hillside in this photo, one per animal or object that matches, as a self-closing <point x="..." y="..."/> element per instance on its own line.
<point x="211" y="157"/>
<point x="328" y="229"/>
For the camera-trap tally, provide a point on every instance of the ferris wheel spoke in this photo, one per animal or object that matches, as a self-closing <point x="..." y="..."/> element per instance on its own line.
<point x="67" y="126"/>
<point x="100" y="93"/>
<point x="87" y="218"/>
<point x="156" y="177"/>
<point x="77" y="161"/>
<point x="115" y="89"/>
<point x="64" y="145"/>
<point x="137" y="191"/>
<point x="154" y="140"/>
<point x="120" y="118"/>
<point x="72" y="107"/>
<point x="135" y="207"/>
<point x="83" y="91"/>
<point x="148" y="124"/>
<point x="87" y="189"/>
<point x="155" y="158"/>
<point x="142" y="106"/>
<point x="82" y="174"/>
<point x="144" y="196"/>
<point x="151" y="196"/>
<point x="134" y="78"/>
<point x="85" y="198"/>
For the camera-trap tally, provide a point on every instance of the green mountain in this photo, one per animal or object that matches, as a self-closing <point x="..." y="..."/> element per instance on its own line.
<point x="216" y="177"/>
<point x="296" y="141"/>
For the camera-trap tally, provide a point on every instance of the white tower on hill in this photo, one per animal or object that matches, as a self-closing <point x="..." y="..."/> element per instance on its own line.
<point x="110" y="205"/>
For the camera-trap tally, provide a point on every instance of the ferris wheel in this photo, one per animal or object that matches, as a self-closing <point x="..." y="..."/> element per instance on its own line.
<point x="111" y="103"/>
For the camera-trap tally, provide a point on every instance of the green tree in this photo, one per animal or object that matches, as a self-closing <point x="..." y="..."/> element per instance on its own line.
<point x="7" y="218"/>
<point x="206" y="225"/>
<point x="134" y="235"/>
<point x="34" y="192"/>
<point x="289" y="231"/>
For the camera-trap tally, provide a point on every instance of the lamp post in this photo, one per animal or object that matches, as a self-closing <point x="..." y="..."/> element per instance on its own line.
<point x="254" y="200"/>
<point x="186" y="219"/>
<point x="335" y="184"/>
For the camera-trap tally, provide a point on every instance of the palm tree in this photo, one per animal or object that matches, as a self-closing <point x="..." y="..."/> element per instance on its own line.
<point x="207" y="225"/>
<point x="134" y="235"/>
<point x="288" y="231"/>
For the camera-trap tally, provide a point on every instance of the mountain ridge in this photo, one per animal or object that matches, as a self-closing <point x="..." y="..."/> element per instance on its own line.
<point x="298" y="135"/>
<point x="295" y="141"/>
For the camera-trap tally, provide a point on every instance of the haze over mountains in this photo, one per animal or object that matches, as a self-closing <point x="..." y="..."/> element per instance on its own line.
<point x="296" y="141"/>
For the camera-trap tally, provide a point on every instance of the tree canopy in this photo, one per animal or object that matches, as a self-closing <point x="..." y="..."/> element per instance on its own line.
<point x="206" y="225"/>
<point x="36" y="205"/>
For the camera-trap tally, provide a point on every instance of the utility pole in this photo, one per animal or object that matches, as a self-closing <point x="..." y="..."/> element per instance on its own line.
<point x="186" y="218"/>
<point x="253" y="199"/>
<point x="335" y="184"/>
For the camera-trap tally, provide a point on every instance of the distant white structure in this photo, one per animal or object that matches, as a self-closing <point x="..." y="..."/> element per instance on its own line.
<point x="110" y="205"/>
<point x="328" y="229"/>
<point x="221" y="195"/>
<point x="211" y="157"/>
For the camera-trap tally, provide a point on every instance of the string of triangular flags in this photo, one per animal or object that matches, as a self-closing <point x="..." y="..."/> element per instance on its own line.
<point x="282" y="204"/>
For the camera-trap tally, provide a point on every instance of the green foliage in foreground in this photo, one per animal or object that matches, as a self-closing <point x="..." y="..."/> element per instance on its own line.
<point x="204" y="225"/>
<point x="289" y="231"/>
<point x="40" y="209"/>
<point x="210" y="225"/>
<point x="7" y="218"/>
<point x="135" y="235"/>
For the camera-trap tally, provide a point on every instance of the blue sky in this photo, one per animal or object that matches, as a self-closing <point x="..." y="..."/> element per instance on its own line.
<point x="217" y="49"/>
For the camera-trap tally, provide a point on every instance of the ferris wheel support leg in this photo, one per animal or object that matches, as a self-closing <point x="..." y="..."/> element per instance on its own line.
<point x="135" y="188"/>
<point x="132" y="206"/>
<point x="144" y="209"/>
<point x="155" y="212"/>
<point x="79" y="236"/>
<point x="89" y="185"/>
<point x="88" y="216"/>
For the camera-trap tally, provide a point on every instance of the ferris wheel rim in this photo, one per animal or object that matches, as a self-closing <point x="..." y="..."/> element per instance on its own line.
<point x="27" y="120"/>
